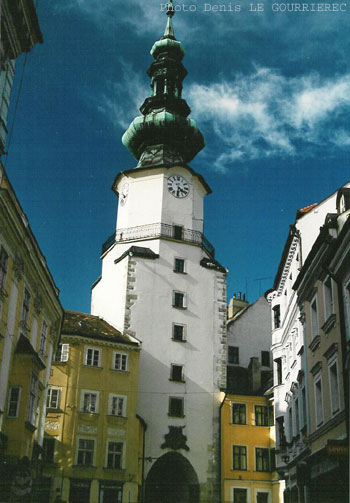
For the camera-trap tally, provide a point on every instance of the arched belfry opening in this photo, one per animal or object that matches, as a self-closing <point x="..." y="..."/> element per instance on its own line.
<point x="172" y="479"/>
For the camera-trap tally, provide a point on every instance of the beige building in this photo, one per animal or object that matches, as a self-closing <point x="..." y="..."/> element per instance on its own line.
<point x="93" y="437"/>
<point x="30" y="322"/>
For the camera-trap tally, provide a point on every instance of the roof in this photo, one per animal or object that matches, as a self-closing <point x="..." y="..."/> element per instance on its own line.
<point x="305" y="210"/>
<point x="88" y="325"/>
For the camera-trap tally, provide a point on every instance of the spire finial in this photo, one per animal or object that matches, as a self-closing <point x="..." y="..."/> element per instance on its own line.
<point x="169" y="29"/>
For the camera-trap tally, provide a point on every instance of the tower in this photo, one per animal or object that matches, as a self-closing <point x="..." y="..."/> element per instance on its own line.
<point x="160" y="281"/>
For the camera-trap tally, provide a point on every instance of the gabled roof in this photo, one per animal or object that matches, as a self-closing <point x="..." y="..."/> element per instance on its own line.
<point x="88" y="325"/>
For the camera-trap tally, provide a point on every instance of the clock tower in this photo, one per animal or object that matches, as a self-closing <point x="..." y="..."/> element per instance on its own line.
<point x="161" y="282"/>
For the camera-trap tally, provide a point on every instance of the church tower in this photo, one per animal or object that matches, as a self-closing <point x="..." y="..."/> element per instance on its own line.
<point x="161" y="283"/>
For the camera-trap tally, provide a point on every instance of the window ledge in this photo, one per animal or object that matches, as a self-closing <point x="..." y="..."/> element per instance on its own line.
<point x="84" y="466"/>
<point x="179" y="272"/>
<point x="30" y="426"/>
<point x="107" y="468"/>
<point x="120" y="370"/>
<point x="177" y="380"/>
<point x="178" y="340"/>
<point x="329" y="323"/>
<point x="315" y="343"/>
<point x="97" y="367"/>
<point x="172" y="415"/>
<point x="179" y="307"/>
<point x="89" y="413"/>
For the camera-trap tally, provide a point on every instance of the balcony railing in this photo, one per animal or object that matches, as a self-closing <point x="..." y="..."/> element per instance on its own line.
<point x="151" y="231"/>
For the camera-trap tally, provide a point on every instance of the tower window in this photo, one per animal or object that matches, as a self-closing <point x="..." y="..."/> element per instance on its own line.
<point x="176" y="407"/>
<point x="178" y="232"/>
<point x="179" y="332"/>
<point x="179" y="265"/>
<point x="176" y="373"/>
<point x="233" y="355"/>
<point x="179" y="299"/>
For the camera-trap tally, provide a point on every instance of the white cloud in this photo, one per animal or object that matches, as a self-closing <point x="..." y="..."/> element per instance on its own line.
<point x="264" y="115"/>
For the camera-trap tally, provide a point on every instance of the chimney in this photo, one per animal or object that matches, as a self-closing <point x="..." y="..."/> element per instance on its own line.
<point x="254" y="372"/>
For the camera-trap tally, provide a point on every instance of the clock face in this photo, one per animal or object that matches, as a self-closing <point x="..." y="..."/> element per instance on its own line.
<point x="124" y="193"/>
<point x="177" y="186"/>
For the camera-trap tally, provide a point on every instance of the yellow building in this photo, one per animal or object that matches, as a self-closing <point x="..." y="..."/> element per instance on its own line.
<point x="93" y="442"/>
<point x="30" y="322"/>
<point x="248" y="456"/>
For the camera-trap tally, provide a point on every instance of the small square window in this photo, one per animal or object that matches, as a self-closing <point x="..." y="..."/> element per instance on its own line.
<point x="179" y="332"/>
<point x="179" y="265"/>
<point x="233" y="355"/>
<point x="178" y="299"/>
<point x="176" y="407"/>
<point x="176" y="373"/>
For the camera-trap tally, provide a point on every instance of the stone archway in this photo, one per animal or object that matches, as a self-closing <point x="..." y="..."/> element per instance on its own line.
<point x="172" y="479"/>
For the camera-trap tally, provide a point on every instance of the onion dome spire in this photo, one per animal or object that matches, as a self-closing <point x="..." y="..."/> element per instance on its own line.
<point x="164" y="135"/>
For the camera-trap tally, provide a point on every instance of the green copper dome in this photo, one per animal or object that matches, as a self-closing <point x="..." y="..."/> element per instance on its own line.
<point x="164" y="124"/>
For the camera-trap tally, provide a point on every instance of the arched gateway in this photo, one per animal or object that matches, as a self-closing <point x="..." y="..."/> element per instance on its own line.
<point x="172" y="479"/>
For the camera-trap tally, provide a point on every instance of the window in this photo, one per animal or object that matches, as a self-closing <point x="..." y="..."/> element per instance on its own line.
<point x="49" y="449"/>
<point x="261" y="415"/>
<point x="318" y="401"/>
<point x="262" y="497"/>
<point x="328" y="298"/>
<point x="121" y="361"/>
<point x="262" y="459"/>
<point x="240" y="495"/>
<point x="176" y="407"/>
<point x="176" y="373"/>
<point x="89" y="401"/>
<point x="13" y="401"/>
<point x="280" y="434"/>
<point x="233" y="355"/>
<point x="117" y="405"/>
<point x="115" y="455"/>
<point x="179" y="299"/>
<point x="265" y="358"/>
<point x="276" y="316"/>
<point x="278" y="368"/>
<point x="314" y="318"/>
<point x="239" y="413"/>
<point x="334" y="385"/>
<point x="25" y="307"/>
<point x="290" y="423"/>
<point x="178" y="232"/>
<point x="3" y="267"/>
<point x="43" y="337"/>
<point x="303" y="403"/>
<point x="179" y="332"/>
<point x="296" y="410"/>
<point x="110" y="490"/>
<point x="92" y="357"/>
<point x="53" y="397"/>
<point x="32" y="399"/>
<point x="346" y="290"/>
<point x="239" y="453"/>
<point x="85" y="452"/>
<point x="62" y="353"/>
<point x="179" y="265"/>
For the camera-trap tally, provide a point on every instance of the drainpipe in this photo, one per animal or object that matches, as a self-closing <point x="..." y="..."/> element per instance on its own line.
<point x="220" y="437"/>
<point x="144" y="426"/>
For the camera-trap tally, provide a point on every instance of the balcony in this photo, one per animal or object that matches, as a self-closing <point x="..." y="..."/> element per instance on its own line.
<point x="159" y="230"/>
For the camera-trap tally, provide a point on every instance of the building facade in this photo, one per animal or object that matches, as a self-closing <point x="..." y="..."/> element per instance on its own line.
<point x="93" y="443"/>
<point x="295" y="356"/>
<point x="19" y="32"/>
<point x="160" y="281"/>
<point x="248" y="473"/>
<point x="30" y="322"/>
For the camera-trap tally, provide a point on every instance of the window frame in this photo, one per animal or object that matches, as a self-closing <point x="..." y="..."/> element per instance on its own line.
<point x="243" y="451"/>
<point x="122" y="367"/>
<point x="83" y="406"/>
<point x="86" y="357"/>
<point x="17" y="402"/>
<point x="264" y="459"/>
<point x="177" y="366"/>
<point x="263" y="415"/>
<point x="78" y="450"/>
<point x="265" y="355"/>
<point x="240" y="405"/>
<point x="183" y="332"/>
<point x="328" y="298"/>
<point x="49" y="397"/>
<point x="318" y="396"/>
<point x="4" y="265"/>
<point x="176" y="304"/>
<point x="314" y="321"/>
<point x="108" y="452"/>
<point x="62" y="353"/>
<point x="123" y="407"/>
<point x="276" y="316"/>
<point x="43" y="337"/>
<point x="25" y="307"/>
<point x="181" y="269"/>
<point x="173" y="399"/>
<point x="33" y="396"/>
<point x="331" y="363"/>
<point x="235" y="350"/>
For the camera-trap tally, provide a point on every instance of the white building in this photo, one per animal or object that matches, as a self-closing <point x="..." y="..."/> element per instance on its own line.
<point x="288" y="346"/>
<point x="161" y="283"/>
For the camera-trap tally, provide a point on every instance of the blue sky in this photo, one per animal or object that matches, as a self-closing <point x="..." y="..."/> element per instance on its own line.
<point x="269" y="90"/>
